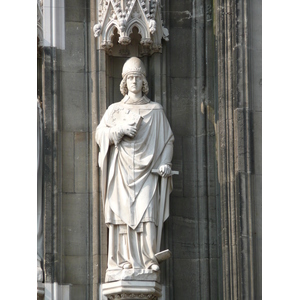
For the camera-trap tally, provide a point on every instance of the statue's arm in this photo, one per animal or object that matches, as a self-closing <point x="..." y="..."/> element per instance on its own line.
<point x="113" y="134"/>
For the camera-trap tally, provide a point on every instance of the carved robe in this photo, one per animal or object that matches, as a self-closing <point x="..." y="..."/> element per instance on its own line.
<point x="130" y="192"/>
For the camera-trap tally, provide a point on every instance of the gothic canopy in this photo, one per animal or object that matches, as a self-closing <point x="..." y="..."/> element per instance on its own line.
<point x="124" y="15"/>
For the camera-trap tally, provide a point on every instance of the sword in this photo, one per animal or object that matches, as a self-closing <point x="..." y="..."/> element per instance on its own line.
<point x="163" y="187"/>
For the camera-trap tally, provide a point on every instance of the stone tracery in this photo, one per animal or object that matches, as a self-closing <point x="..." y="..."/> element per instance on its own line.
<point x="124" y="16"/>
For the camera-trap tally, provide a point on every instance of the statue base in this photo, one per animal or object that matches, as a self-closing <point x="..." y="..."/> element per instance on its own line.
<point x="132" y="290"/>
<point x="132" y="275"/>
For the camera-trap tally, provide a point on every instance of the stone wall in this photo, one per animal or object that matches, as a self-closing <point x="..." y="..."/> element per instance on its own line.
<point x="193" y="227"/>
<point x="71" y="176"/>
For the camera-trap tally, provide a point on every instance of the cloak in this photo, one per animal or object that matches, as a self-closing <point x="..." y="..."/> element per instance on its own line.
<point x="130" y="192"/>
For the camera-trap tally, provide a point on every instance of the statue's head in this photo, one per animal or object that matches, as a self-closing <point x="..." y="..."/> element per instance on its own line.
<point x="133" y="66"/>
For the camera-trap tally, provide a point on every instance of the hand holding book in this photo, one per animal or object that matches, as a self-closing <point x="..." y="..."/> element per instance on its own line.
<point x="123" y="122"/>
<point x="129" y="130"/>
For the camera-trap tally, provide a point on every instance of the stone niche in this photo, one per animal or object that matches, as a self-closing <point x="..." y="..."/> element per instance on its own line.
<point x="126" y="29"/>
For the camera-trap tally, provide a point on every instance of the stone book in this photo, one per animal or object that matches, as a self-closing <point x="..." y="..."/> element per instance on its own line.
<point x="121" y="115"/>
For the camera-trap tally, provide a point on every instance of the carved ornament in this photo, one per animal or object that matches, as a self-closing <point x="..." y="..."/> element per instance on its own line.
<point x="123" y="16"/>
<point x="132" y="296"/>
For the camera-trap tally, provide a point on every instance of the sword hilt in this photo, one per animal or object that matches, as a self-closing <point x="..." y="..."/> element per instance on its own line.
<point x="156" y="171"/>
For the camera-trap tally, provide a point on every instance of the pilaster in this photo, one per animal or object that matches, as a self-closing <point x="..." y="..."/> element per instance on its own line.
<point x="235" y="149"/>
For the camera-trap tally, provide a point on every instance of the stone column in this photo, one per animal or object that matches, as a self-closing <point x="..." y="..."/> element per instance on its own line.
<point x="235" y="149"/>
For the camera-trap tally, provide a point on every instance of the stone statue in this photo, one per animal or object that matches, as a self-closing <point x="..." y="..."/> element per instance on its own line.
<point x="135" y="138"/>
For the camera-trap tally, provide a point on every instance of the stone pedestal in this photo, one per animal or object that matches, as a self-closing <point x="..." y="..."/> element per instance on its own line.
<point x="132" y="290"/>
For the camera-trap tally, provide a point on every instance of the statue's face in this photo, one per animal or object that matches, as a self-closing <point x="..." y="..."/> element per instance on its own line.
<point x="134" y="83"/>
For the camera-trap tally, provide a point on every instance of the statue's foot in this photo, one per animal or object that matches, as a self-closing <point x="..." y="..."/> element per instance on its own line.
<point x="155" y="267"/>
<point x="127" y="266"/>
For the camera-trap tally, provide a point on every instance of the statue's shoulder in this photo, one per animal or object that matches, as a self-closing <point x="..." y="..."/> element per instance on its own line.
<point x="154" y="105"/>
<point x="113" y="106"/>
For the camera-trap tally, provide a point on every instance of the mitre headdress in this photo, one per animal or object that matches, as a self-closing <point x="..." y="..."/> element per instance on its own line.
<point x="133" y="65"/>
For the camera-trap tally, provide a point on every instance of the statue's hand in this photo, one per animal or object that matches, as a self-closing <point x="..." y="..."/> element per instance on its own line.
<point x="164" y="171"/>
<point x="129" y="130"/>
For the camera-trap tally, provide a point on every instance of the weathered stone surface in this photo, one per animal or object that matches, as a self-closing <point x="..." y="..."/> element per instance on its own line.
<point x="184" y="279"/>
<point x="181" y="15"/>
<point x="185" y="238"/>
<point x="74" y="225"/>
<point x="73" y="59"/>
<point x="255" y="40"/>
<point x="78" y="292"/>
<point x="180" y="48"/>
<point x="257" y="137"/>
<point x="76" y="10"/>
<point x="178" y="6"/>
<point x="184" y="207"/>
<point x="81" y="154"/>
<point x="257" y="195"/>
<point x="189" y="180"/>
<point x="74" y="102"/>
<point x="214" y="277"/>
<point x="177" y="180"/>
<point x="75" y="269"/>
<point x="182" y="107"/>
<point x="68" y="162"/>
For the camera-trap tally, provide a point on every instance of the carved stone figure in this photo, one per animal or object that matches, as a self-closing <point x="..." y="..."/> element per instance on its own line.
<point x="134" y="137"/>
